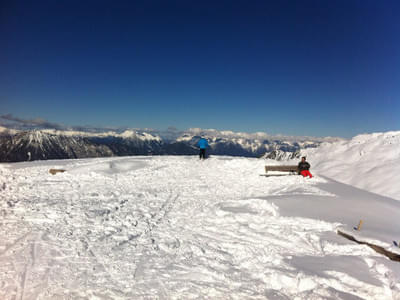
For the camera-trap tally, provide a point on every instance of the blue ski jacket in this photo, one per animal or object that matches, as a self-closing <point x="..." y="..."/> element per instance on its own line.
<point x="203" y="144"/>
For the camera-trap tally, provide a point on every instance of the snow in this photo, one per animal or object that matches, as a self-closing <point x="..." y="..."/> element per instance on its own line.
<point x="7" y="130"/>
<point x="257" y="136"/>
<point x="368" y="161"/>
<point x="179" y="228"/>
<point x="143" y="136"/>
<point x="126" y="134"/>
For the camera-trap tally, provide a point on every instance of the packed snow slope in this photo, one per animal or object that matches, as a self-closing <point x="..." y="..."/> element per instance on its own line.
<point x="180" y="228"/>
<point x="368" y="161"/>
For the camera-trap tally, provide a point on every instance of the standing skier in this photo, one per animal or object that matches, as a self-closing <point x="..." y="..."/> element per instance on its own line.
<point x="304" y="168"/>
<point x="203" y="144"/>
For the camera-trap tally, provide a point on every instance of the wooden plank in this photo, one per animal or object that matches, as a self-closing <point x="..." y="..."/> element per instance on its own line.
<point x="379" y="249"/>
<point x="55" y="171"/>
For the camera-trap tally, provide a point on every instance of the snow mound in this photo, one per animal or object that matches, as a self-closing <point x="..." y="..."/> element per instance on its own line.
<point x="368" y="161"/>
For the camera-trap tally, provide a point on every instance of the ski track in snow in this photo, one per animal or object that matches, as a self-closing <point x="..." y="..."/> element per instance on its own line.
<point x="172" y="227"/>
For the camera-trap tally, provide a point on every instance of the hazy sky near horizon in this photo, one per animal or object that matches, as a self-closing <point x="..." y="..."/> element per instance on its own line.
<point x="316" y="68"/>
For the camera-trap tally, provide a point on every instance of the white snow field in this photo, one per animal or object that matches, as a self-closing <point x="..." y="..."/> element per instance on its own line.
<point x="179" y="228"/>
<point x="367" y="161"/>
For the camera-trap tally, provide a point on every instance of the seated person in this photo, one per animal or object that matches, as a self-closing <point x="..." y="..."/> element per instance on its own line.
<point x="304" y="168"/>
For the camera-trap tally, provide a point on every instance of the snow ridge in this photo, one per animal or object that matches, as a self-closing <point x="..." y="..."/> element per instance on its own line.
<point x="368" y="161"/>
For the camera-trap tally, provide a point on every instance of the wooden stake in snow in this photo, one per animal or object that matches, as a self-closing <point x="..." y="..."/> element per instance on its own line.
<point x="359" y="225"/>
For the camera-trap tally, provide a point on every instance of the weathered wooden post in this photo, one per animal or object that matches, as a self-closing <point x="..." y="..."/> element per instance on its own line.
<point x="359" y="225"/>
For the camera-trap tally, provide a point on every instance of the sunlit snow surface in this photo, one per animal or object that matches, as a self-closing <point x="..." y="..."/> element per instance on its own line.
<point x="367" y="161"/>
<point x="180" y="228"/>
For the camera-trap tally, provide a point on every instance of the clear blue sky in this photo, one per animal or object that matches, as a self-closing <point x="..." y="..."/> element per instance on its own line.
<point x="314" y="68"/>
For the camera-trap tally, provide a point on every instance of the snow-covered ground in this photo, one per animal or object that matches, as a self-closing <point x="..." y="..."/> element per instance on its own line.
<point x="180" y="228"/>
<point x="368" y="161"/>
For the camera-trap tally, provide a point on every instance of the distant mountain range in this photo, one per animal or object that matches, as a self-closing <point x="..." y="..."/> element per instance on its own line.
<point x="28" y="145"/>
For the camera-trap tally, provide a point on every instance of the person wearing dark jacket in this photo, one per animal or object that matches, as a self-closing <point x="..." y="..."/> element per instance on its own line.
<point x="304" y="168"/>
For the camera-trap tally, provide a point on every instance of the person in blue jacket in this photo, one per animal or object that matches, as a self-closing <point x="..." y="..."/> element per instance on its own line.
<point x="203" y="144"/>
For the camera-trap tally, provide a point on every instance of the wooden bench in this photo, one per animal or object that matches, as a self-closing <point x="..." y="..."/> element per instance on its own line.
<point x="293" y="170"/>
